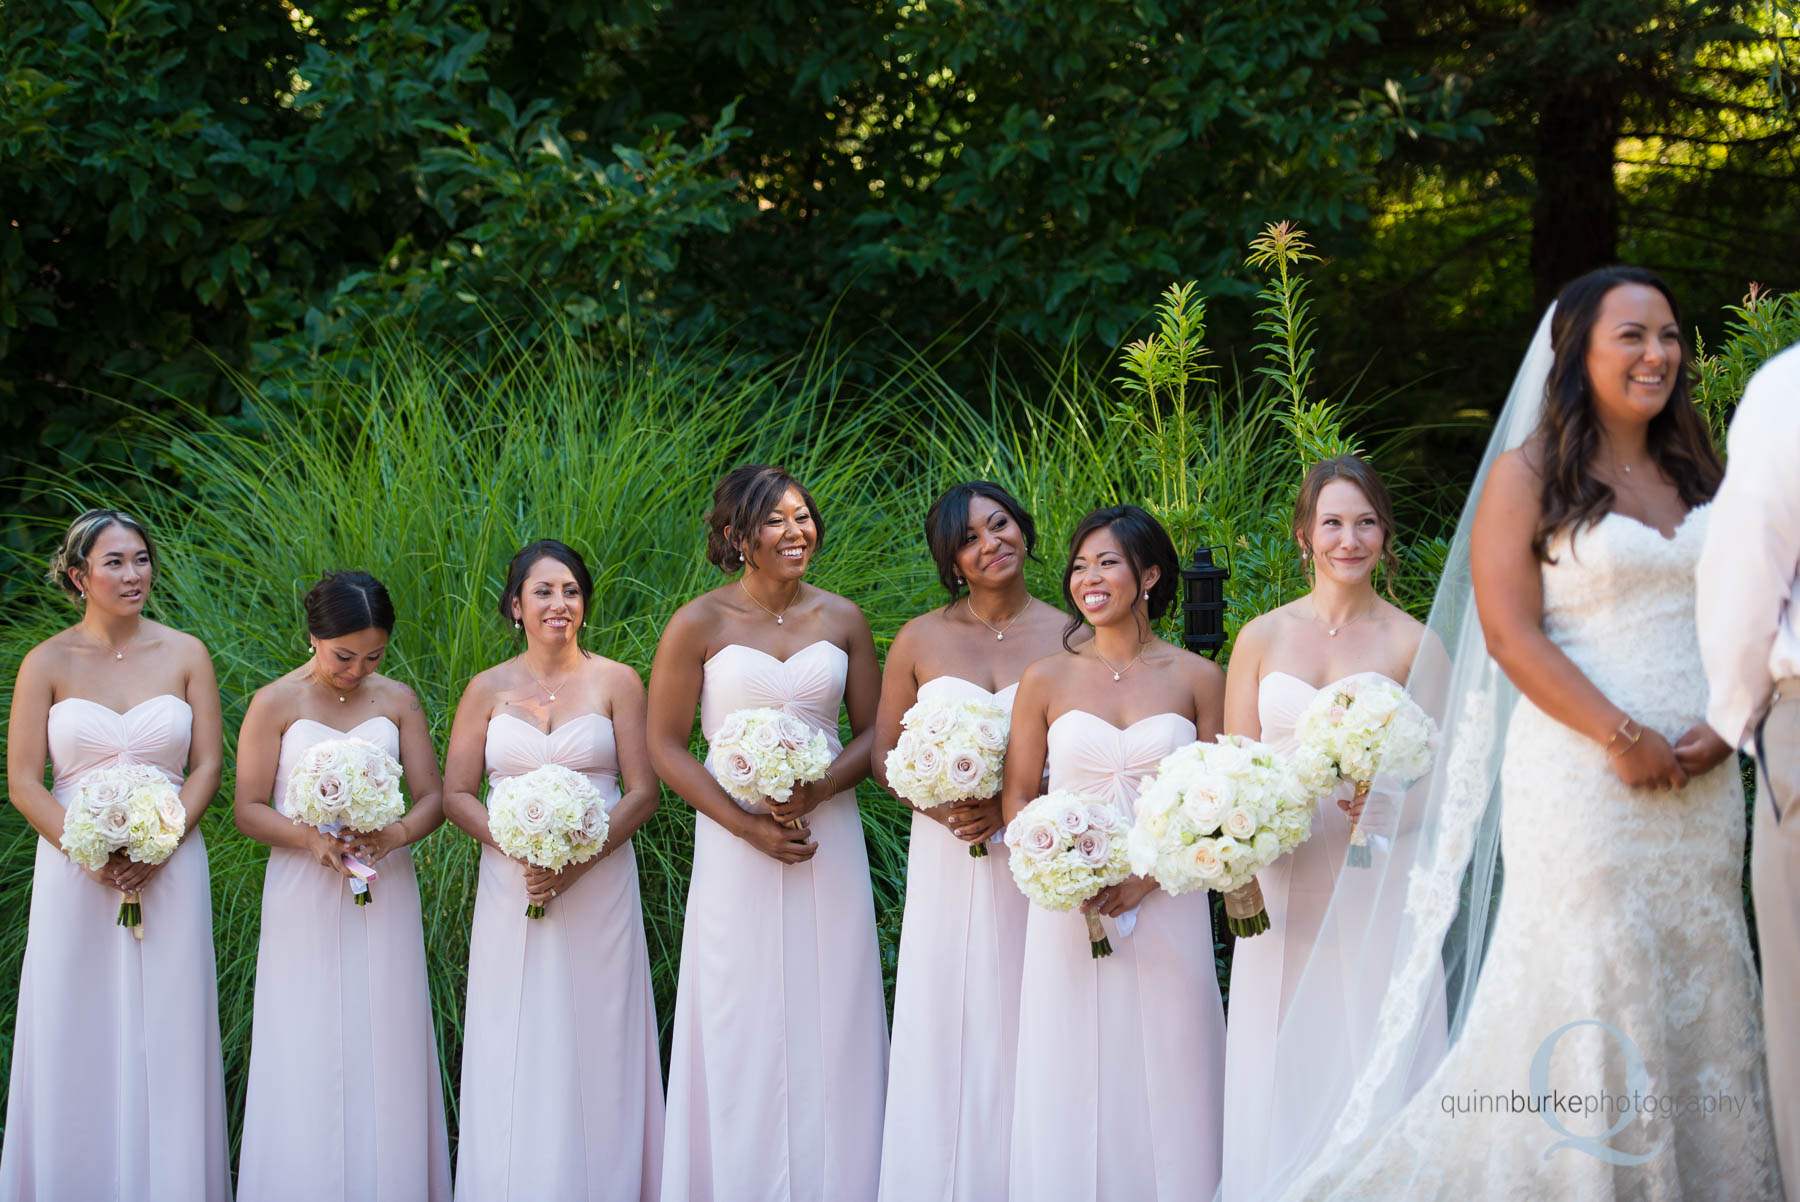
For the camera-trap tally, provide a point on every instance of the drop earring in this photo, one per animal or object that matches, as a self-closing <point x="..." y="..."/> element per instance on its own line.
<point x="516" y="625"/>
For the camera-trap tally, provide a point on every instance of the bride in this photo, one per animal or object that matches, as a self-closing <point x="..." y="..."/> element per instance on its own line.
<point x="1605" y="1032"/>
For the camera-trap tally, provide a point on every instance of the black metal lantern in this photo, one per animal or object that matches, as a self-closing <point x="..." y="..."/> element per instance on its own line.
<point x="1203" y="603"/>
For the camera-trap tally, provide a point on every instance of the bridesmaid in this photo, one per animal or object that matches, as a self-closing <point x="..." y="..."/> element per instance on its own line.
<point x="344" y="1097"/>
<point x="561" y="1080"/>
<point x="1121" y="1058"/>
<point x="956" y="999"/>
<point x="117" y="1089"/>
<point x="780" y="1034"/>
<point x="1344" y="525"/>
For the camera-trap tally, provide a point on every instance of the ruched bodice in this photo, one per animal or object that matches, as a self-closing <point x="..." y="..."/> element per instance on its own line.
<point x="809" y="684"/>
<point x="85" y="735"/>
<point x="1097" y="759"/>
<point x="581" y="744"/>
<point x="1619" y="601"/>
<point x="304" y="733"/>
<point x="942" y="689"/>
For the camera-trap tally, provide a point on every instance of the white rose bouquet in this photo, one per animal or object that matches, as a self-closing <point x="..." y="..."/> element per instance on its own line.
<point x="347" y="784"/>
<point x="759" y="754"/>
<point x="550" y="817"/>
<point x="1214" y="815"/>
<point x="1066" y="848"/>
<point x="949" y="753"/>
<point x="131" y="808"/>
<point x="1355" y="728"/>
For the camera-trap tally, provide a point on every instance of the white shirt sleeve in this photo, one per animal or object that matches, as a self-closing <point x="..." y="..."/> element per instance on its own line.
<point x="1745" y="585"/>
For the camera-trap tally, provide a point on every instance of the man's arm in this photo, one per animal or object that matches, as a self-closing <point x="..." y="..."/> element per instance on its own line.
<point x="1746" y="576"/>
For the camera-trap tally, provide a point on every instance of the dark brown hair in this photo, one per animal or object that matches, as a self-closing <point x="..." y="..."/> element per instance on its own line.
<point x="1569" y="432"/>
<point x="743" y="497"/>
<point x="544" y="548"/>
<point x="343" y="603"/>
<point x="947" y="524"/>
<point x="1356" y="471"/>
<point x="78" y="543"/>
<point x="1145" y="543"/>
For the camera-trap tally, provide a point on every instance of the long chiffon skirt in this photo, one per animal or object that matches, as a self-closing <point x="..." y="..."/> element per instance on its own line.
<point x="779" y="1064"/>
<point x="561" y="1081"/>
<point x="344" y="1098"/>
<point x="1121" y="1059"/>
<point x="117" y="1091"/>
<point x="956" y="1024"/>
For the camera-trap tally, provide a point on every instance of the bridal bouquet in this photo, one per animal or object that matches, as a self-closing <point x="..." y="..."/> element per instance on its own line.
<point x="550" y="817"/>
<point x="130" y="808"/>
<point x="758" y="754"/>
<point x="1066" y="848"/>
<point x="347" y="784"/>
<point x="1215" y="814"/>
<point x="949" y="753"/>
<point x="1355" y="728"/>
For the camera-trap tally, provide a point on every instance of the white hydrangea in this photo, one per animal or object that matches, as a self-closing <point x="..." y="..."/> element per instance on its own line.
<point x="551" y="816"/>
<point x="1066" y="848"/>
<point x="1215" y="814"/>
<point x="345" y="784"/>
<point x="131" y="808"/>
<point x="1358" y="727"/>
<point x="948" y="752"/>
<point x="761" y="754"/>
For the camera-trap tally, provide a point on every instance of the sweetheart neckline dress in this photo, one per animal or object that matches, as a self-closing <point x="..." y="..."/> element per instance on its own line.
<point x="1121" y="1059"/>
<point x="344" y="1098"/>
<point x="117" y="1086"/>
<point x="561" y="1092"/>
<point x="956" y="1010"/>
<point x="779" y="1064"/>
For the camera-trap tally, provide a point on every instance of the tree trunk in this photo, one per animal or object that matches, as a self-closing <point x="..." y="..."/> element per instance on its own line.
<point x="1575" y="216"/>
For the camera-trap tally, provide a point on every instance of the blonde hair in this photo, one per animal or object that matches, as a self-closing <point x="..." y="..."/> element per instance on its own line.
<point x="78" y="543"/>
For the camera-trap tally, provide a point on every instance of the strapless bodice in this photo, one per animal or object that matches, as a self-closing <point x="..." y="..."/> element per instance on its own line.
<point x="84" y="735"/>
<point x="809" y="684"/>
<point x="1619" y="601"/>
<point x="304" y="733"/>
<point x="582" y="744"/>
<point x="941" y="689"/>
<point x="1091" y="756"/>
<point x="1280" y="700"/>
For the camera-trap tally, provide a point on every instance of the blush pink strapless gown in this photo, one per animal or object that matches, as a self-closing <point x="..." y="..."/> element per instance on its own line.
<point x="117" y="1090"/>
<point x="1121" y="1059"/>
<point x="344" y="1100"/>
<point x="956" y="1010"/>
<point x="561" y="1080"/>
<point x="780" y="1058"/>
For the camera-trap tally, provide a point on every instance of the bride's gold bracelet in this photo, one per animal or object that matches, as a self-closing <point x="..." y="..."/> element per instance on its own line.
<point x="1624" y="731"/>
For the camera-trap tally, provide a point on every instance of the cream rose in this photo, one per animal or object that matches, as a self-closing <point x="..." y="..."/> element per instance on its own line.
<point x="1093" y="847"/>
<point x="1040" y="841"/>
<point x="964" y="771"/>
<point x="732" y="729"/>
<point x="1240" y="823"/>
<point x="990" y="734"/>
<point x="737" y="770"/>
<point x="938" y="723"/>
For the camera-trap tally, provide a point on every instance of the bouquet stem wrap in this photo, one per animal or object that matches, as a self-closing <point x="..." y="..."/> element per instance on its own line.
<point x="131" y="913"/>
<point x="1245" y="914"/>
<point x="1098" y="944"/>
<point x="1359" y="856"/>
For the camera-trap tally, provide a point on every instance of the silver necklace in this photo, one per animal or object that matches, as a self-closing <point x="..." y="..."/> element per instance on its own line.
<point x="999" y="631"/>
<point x="1119" y="673"/>
<point x="764" y="608"/>
<point x="1332" y="631"/>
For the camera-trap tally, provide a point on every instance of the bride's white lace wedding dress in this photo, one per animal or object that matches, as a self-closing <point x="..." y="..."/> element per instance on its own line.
<point x="1619" y="977"/>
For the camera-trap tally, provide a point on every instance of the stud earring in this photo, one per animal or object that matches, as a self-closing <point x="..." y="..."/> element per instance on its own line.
<point x="516" y="625"/>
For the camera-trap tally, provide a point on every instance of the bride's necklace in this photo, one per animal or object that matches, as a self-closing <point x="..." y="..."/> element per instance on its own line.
<point x="1332" y="631"/>
<point x="766" y="609"/>
<point x="999" y="631"/>
<point x="1119" y="673"/>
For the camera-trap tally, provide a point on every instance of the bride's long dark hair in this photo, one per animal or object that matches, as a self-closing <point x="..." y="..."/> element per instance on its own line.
<point x="1569" y="432"/>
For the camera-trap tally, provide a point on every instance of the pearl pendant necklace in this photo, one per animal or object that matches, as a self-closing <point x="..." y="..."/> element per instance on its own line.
<point x="999" y="631"/>
<point x="761" y="606"/>
<point x="1119" y="673"/>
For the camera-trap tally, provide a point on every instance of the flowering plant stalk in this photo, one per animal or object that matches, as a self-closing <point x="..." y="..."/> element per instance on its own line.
<point x="949" y="753"/>
<point x="759" y="755"/>
<point x="551" y="817"/>
<point x="131" y="808"/>
<point x="1213" y="816"/>
<point x="1065" y="849"/>
<point x="1355" y="728"/>
<point x="347" y="784"/>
